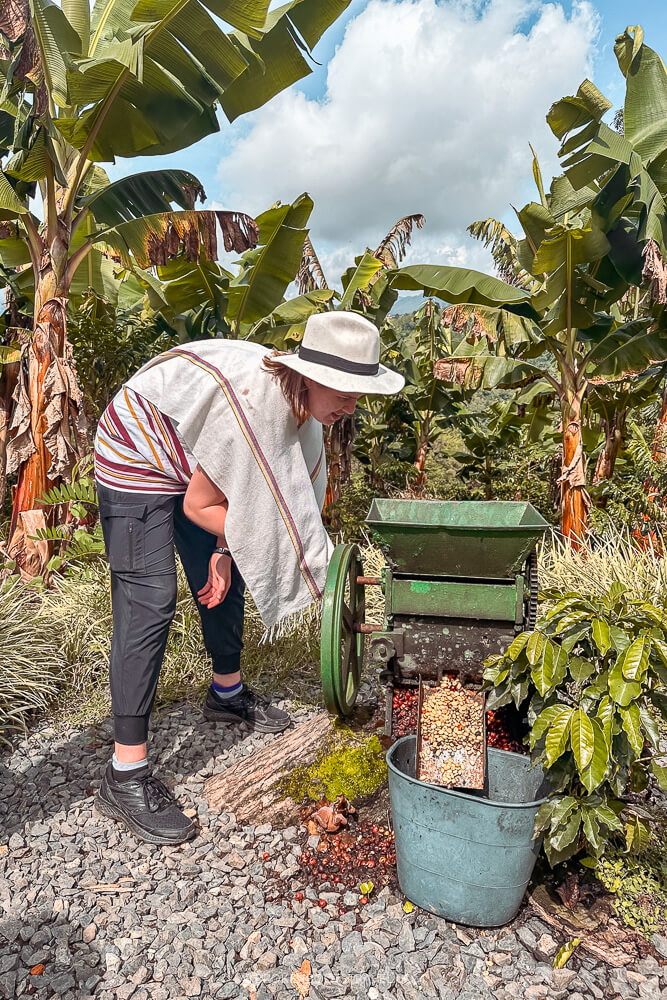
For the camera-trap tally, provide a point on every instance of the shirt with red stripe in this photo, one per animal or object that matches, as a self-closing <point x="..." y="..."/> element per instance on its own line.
<point x="138" y="449"/>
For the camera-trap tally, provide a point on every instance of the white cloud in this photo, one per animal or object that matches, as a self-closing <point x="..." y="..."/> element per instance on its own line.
<point x="429" y="107"/>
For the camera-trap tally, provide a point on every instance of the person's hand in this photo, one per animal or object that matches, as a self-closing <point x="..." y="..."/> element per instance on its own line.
<point x="216" y="587"/>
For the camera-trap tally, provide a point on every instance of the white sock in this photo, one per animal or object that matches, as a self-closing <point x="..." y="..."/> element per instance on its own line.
<point x="120" y="766"/>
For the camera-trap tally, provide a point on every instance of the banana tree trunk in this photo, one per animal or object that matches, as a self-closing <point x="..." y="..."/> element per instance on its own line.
<point x="614" y="434"/>
<point x="8" y="380"/>
<point x="338" y="449"/>
<point x="660" y="436"/>
<point x="574" y="498"/>
<point x="423" y="442"/>
<point x="46" y="428"/>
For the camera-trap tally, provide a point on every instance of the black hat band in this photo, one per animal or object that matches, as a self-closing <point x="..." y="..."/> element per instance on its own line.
<point x="340" y="364"/>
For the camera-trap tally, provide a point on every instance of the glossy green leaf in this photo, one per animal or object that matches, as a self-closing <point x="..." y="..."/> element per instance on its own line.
<point x="619" y="638"/>
<point x="631" y="724"/>
<point x="582" y="738"/>
<point x="630" y="348"/>
<point x="9" y="200"/>
<point x="637" y="833"/>
<point x="517" y="645"/>
<point x="594" y="774"/>
<point x="607" y="817"/>
<point x="621" y="690"/>
<point x="557" y="736"/>
<point x="545" y="719"/>
<point x="580" y="668"/>
<point x="600" y="630"/>
<point x="592" y="830"/>
<point x="551" y="669"/>
<point x="77" y="13"/>
<point x="535" y="647"/>
<point x="645" y="109"/>
<point x="660" y="774"/>
<point x="605" y="714"/>
<point x="567" y="833"/>
<point x="55" y="37"/>
<point x="577" y="246"/>
<point x="650" y="726"/>
<point x="634" y="661"/>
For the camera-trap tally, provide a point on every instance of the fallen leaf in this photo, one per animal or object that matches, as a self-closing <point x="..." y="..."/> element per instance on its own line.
<point x="37" y="970"/>
<point x="407" y="906"/>
<point x="300" y="978"/>
<point x="564" y="954"/>
<point x="366" y="888"/>
<point x="569" y="891"/>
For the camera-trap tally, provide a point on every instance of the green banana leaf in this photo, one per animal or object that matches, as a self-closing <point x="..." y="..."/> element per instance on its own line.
<point x="588" y="105"/>
<point x="275" y="59"/>
<point x="77" y="13"/>
<point x="10" y="202"/>
<point x="268" y="270"/>
<point x="485" y="371"/>
<point x="582" y="246"/>
<point x="54" y="36"/>
<point x="628" y="349"/>
<point x="460" y="284"/>
<point x="645" y="109"/>
<point x="284" y="327"/>
<point x="359" y="277"/>
<point x="185" y="285"/>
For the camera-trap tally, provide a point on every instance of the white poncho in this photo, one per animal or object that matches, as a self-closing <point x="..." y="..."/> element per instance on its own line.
<point x="233" y="417"/>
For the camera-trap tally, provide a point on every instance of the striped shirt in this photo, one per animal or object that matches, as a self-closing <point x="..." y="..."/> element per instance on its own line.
<point x="138" y="449"/>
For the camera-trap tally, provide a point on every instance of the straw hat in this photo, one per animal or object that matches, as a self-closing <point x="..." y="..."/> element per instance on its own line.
<point x="342" y="351"/>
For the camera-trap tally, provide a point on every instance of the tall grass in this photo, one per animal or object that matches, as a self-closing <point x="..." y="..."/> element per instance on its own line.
<point x="29" y="662"/>
<point x="612" y="556"/>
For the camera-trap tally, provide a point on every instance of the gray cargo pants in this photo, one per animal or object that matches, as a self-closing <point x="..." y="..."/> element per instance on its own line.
<point x="140" y="531"/>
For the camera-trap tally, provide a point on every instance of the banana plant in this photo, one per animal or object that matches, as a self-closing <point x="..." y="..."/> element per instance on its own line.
<point x="82" y="85"/>
<point x="598" y="232"/>
<point x="611" y="401"/>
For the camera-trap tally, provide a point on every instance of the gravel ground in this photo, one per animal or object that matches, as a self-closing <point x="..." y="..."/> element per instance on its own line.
<point x="111" y="918"/>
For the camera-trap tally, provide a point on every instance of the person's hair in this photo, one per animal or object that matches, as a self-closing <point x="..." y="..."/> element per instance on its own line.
<point x="292" y="383"/>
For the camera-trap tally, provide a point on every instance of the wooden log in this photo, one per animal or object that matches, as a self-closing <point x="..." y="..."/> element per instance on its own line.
<point x="249" y="788"/>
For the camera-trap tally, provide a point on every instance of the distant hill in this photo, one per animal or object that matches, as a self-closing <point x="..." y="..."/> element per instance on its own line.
<point x="407" y="304"/>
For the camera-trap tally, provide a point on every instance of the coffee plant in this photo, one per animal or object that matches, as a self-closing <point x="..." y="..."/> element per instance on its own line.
<point x="594" y="676"/>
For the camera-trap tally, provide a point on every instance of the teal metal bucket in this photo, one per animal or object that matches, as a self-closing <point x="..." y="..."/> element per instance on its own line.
<point x="467" y="856"/>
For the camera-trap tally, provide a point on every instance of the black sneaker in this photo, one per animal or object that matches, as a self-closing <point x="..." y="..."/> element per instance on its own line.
<point x="146" y="806"/>
<point x="246" y="706"/>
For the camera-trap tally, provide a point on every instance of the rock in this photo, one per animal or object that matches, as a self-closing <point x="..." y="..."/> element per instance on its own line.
<point x="268" y="960"/>
<point x="561" y="978"/>
<point x="659" y="942"/>
<point x="546" y="947"/>
<point x="406" y="938"/>
<point x="89" y="933"/>
<point x="527" y="938"/>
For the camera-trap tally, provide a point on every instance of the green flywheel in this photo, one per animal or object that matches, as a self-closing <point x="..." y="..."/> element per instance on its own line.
<point x="342" y="644"/>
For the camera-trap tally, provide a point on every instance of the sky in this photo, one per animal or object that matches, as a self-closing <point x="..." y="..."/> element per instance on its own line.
<point x="417" y="106"/>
